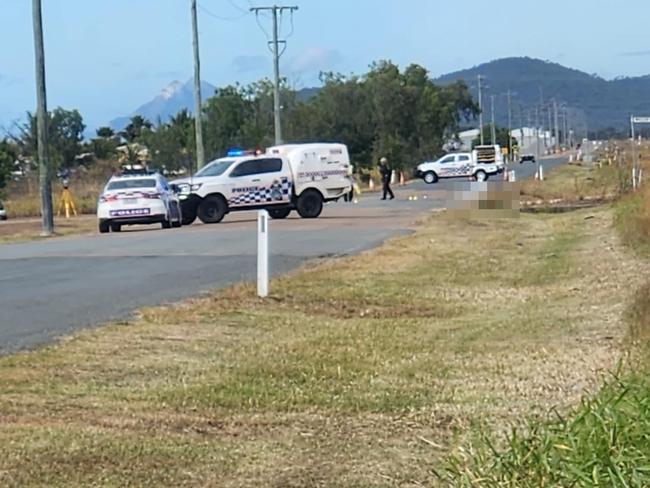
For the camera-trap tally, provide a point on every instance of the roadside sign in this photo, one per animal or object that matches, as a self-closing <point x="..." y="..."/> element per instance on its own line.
<point x="641" y="120"/>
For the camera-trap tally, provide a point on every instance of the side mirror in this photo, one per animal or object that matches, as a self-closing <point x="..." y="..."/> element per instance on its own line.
<point x="175" y="189"/>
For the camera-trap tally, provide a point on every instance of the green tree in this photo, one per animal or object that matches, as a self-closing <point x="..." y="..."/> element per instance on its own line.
<point x="8" y="156"/>
<point x="227" y="113"/>
<point x="105" y="132"/>
<point x="171" y="145"/>
<point x="65" y="133"/>
<point x="135" y="128"/>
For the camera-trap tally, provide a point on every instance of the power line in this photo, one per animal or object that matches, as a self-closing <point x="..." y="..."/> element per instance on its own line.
<point x="219" y="17"/>
<point x="275" y="44"/>
<point x="237" y="7"/>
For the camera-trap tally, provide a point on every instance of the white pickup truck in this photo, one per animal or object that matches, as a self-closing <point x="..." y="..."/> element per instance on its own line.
<point x="286" y="177"/>
<point x="481" y="163"/>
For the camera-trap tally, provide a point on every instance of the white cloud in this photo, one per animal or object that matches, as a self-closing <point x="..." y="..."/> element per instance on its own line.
<point x="314" y="60"/>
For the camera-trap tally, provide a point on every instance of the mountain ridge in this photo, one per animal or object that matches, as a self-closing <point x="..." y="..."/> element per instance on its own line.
<point x="173" y="98"/>
<point x="592" y="103"/>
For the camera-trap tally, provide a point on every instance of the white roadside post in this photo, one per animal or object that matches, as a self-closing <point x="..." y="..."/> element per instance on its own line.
<point x="262" y="253"/>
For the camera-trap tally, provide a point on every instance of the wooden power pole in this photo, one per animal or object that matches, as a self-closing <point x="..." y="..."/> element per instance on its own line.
<point x="198" y="123"/>
<point x="41" y="123"/>
<point x="275" y="48"/>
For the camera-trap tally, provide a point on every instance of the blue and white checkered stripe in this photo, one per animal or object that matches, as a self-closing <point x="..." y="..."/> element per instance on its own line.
<point x="279" y="191"/>
<point x="457" y="171"/>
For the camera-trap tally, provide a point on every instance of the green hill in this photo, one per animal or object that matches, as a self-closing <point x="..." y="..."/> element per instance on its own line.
<point x="592" y="101"/>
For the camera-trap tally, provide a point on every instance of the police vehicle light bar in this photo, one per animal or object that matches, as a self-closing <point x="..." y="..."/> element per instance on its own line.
<point x="234" y="153"/>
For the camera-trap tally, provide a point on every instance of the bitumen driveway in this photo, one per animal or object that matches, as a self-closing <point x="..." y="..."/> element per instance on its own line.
<point x="50" y="288"/>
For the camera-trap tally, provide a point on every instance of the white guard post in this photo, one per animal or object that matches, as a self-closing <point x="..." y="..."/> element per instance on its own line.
<point x="262" y="253"/>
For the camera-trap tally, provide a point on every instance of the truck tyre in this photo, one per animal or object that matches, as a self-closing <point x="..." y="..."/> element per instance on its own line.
<point x="309" y="204"/>
<point x="279" y="213"/>
<point x="104" y="227"/>
<point x="188" y="212"/>
<point x="430" y="177"/>
<point x="481" y="175"/>
<point x="212" y="209"/>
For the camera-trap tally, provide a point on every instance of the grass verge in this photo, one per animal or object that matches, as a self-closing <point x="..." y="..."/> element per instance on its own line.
<point x="573" y="183"/>
<point x="22" y="230"/>
<point x="361" y="372"/>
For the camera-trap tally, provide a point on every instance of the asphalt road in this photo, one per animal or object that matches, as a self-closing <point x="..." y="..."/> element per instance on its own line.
<point x="50" y="288"/>
<point x="53" y="287"/>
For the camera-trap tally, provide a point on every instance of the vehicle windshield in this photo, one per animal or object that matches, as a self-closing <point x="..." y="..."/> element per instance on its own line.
<point x="132" y="183"/>
<point x="216" y="168"/>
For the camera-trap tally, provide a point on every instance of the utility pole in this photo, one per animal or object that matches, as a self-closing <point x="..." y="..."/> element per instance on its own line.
<point x="550" y="123"/>
<point x="557" y="127"/>
<point x="529" y="115"/>
<point x="494" y="127"/>
<point x="509" y="126"/>
<point x="537" y="154"/>
<point x="198" y="122"/>
<point x="275" y="43"/>
<point x="41" y="122"/>
<point x="480" y="108"/>
<point x="566" y="127"/>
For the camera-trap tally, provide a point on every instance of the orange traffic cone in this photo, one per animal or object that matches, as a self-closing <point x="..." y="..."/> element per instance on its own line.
<point x="371" y="185"/>
<point x="401" y="178"/>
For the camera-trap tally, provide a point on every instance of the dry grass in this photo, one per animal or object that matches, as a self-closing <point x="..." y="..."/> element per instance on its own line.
<point x="27" y="229"/>
<point x="573" y="183"/>
<point x="361" y="372"/>
<point x="22" y="197"/>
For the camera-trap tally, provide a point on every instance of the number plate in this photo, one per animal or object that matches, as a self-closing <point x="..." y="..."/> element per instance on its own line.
<point x="130" y="212"/>
<point x="130" y="201"/>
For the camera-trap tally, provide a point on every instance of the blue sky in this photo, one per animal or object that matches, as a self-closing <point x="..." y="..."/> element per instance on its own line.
<point x="107" y="57"/>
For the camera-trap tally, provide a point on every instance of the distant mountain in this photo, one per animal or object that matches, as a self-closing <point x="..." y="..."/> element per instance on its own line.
<point x="593" y="103"/>
<point x="171" y="100"/>
<point x="592" y="100"/>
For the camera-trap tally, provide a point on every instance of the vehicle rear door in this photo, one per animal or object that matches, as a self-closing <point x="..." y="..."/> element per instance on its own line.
<point x="463" y="164"/>
<point x="259" y="182"/>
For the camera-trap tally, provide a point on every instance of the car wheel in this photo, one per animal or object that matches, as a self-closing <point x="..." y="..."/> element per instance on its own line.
<point x="166" y="224"/>
<point x="430" y="177"/>
<point x="116" y="228"/>
<point x="212" y="210"/>
<point x="481" y="176"/>
<point x="309" y="204"/>
<point x="103" y="227"/>
<point x="279" y="213"/>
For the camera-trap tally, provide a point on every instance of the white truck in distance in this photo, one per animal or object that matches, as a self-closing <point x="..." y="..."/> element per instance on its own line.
<point x="286" y="177"/>
<point x="481" y="163"/>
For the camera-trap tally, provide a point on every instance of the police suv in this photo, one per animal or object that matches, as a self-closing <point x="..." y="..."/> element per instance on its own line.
<point x="286" y="177"/>
<point x="481" y="163"/>
<point x="138" y="197"/>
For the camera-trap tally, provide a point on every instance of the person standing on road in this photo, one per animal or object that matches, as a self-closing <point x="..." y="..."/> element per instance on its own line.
<point x="349" y="197"/>
<point x="385" y="173"/>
